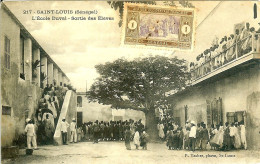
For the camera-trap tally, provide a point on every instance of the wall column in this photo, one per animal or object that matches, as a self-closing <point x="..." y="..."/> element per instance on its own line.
<point x="63" y="80"/>
<point x="50" y="73"/>
<point x="60" y="78"/>
<point x="37" y="71"/>
<point x="44" y="69"/>
<point x="55" y="75"/>
<point x="28" y="59"/>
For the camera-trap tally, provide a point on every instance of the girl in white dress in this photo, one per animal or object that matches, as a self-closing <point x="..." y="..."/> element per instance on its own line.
<point x="137" y="139"/>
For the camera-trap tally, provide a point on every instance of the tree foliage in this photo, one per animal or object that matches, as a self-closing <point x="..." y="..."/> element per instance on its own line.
<point x="140" y="84"/>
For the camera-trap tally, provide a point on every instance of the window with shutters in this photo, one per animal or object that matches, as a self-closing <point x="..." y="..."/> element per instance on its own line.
<point x="236" y="116"/>
<point x="214" y="112"/>
<point x="22" y="75"/>
<point x="79" y="101"/>
<point x="7" y="61"/>
<point x="209" y="114"/>
<point x="186" y="112"/>
<point x="230" y="117"/>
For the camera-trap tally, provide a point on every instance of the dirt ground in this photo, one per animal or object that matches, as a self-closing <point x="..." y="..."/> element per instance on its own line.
<point x="116" y="153"/>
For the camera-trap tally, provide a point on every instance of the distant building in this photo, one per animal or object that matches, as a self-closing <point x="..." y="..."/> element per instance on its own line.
<point x="91" y="111"/>
<point x="21" y="79"/>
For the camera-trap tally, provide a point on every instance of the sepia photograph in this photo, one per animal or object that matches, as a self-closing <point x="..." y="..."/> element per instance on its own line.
<point x="130" y="82"/>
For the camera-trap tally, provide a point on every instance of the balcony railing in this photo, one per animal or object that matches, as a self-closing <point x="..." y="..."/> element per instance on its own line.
<point x="240" y="48"/>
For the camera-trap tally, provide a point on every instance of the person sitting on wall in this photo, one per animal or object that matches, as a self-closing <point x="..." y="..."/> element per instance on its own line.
<point x="245" y="39"/>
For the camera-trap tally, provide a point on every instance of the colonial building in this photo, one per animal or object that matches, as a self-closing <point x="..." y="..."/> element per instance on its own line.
<point x="25" y="69"/>
<point x="225" y="86"/>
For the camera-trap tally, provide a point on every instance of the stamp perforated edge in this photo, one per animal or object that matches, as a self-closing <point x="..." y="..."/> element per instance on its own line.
<point x="124" y="24"/>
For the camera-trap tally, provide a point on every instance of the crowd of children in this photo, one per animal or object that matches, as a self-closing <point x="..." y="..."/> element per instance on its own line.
<point x="198" y="136"/>
<point x="113" y="131"/>
<point x="225" y="50"/>
<point x="48" y="113"/>
<point x="109" y="131"/>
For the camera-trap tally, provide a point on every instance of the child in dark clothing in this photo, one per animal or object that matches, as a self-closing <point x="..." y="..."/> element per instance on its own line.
<point x="144" y="140"/>
<point x="170" y="139"/>
<point x="204" y="137"/>
<point x="175" y="140"/>
<point x="181" y="135"/>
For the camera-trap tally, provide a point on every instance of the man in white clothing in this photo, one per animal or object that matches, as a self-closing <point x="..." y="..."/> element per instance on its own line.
<point x="29" y="129"/>
<point x="64" y="127"/>
<point x="192" y="136"/>
<point x="73" y="132"/>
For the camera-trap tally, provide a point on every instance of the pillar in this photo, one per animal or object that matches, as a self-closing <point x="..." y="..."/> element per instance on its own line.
<point x="50" y="73"/>
<point x="64" y="80"/>
<point x="55" y="75"/>
<point x="44" y="70"/>
<point x="37" y="71"/>
<point x="60" y="78"/>
<point x="28" y="59"/>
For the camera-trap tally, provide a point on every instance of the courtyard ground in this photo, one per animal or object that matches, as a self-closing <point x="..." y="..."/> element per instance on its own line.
<point x="115" y="153"/>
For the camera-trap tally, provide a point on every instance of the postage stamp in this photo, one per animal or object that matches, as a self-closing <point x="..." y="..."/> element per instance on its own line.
<point x="158" y="26"/>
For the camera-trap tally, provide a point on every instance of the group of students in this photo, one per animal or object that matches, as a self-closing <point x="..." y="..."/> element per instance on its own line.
<point x="100" y="130"/>
<point x="230" y="136"/>
<point x="224" y="50"/>
<point x="219" y="137"/>
<point x="48" y="112"/>
<point x="109" y="131"/>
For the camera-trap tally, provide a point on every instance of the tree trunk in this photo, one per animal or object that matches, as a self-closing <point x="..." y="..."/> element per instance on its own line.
<point x="151" y="125"/>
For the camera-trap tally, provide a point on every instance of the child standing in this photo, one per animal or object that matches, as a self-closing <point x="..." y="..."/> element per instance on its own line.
<point x="204" y="137"/>
<point x="136" y="139"/>
<point x="79" y="132"/>
<point x="181" y="136"/>
<point x="144" y="140"/>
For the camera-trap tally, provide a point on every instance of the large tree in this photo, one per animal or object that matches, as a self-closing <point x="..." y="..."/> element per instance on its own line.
<point x="140" y="84"/>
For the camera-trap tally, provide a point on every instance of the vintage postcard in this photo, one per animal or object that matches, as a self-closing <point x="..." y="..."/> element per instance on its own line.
<point x="158" y="26"/>
<point x="136" y="82"/>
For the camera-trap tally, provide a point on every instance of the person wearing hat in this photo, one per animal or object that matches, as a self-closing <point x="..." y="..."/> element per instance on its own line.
<point x="192" y="136"/>
<point x="30" y="131"/>
<point x="64" y="130"/>
<point x="73" y="132"/>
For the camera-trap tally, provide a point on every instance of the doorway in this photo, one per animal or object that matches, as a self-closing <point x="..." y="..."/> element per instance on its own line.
<point x="79" y="119"/>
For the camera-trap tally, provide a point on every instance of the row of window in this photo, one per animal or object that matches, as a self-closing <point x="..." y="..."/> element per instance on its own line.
<point x="7" y="56"/>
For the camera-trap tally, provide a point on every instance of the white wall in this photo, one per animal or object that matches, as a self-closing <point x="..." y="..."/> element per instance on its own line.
<point x="94" y="111"/>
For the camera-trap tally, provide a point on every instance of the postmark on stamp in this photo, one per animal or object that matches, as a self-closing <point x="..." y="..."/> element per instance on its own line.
<point x="158" y="26"/>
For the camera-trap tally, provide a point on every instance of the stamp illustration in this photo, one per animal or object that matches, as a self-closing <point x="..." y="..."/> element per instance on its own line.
<point x="164" y="26"/>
